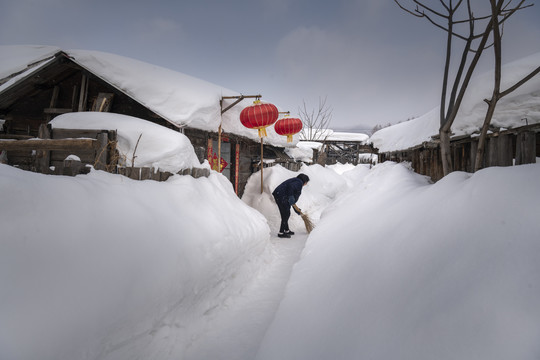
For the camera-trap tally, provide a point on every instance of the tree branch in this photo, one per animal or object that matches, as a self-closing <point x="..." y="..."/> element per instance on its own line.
<point x="521" y="82"/>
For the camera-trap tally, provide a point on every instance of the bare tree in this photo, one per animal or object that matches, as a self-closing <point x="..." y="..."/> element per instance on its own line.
<point x="497" y="93"/>
<point x="316" y="121"/>
<point x="461" y="24"/>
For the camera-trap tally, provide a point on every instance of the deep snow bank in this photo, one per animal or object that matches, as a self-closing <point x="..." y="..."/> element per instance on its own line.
<point x="403" y="269"/>
<point x="140" y="142"/>
<point x="103" y="267"/>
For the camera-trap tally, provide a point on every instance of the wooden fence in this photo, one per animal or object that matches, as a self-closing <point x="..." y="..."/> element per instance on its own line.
<point x="503" y="148"/>
<point x="50" y="154"/>
<point x="145" y="173"/>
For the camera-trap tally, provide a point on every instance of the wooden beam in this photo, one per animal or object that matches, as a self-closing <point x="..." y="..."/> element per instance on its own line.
<point x="57" y="110"/>
<point x="238" y="99"/>
<point x="49" y="144"/>
<point x="16" y="137"/>
<point x="83" y="93"/>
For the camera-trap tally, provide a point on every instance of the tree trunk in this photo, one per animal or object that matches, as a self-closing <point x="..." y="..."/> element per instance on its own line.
<point x="446" y="156"/>
<point x="482" y="140"/>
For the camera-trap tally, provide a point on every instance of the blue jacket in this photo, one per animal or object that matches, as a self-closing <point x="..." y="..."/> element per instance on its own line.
<point x="289" y="191"/>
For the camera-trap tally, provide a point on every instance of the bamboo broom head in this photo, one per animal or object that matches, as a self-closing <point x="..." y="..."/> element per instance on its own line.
<point x="307" y="222"/>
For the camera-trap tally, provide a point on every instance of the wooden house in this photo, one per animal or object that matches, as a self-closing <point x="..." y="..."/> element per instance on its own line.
<point x="342" y="147"/>
<point x="50" y="81"/>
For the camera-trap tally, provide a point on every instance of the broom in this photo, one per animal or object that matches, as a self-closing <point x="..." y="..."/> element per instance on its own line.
<point x="307" y="221"/>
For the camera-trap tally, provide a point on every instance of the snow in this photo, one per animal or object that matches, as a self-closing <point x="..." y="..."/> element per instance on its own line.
<point x="510" y="112"/>
<point x="346" y="136"/>
<point x="103" y="267"/>
<point x="400" y="268"/>
<point x="15" y="58"/>
<point x="99" y="266"/>
<point x="331" y="135"/>
<point x="303" y="151"/>
<point x="157" y="147"/>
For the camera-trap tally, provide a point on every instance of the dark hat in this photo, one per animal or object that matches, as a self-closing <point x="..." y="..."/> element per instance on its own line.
<point x="303" y="177"/>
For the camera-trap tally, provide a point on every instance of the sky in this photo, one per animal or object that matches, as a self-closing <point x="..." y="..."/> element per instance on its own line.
<point x="372" y="62"/>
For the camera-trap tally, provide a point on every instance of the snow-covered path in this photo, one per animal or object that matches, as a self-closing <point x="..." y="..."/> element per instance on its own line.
<point x="237" y="325"/>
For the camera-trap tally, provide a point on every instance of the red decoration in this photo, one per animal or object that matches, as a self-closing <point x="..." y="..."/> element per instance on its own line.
<point x="288" y="126"/>
<point x="259" y="116"/>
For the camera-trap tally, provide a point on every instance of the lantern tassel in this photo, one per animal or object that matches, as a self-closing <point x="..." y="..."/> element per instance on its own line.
<point x="262" y="132"/>
<point x="289" y="138"/>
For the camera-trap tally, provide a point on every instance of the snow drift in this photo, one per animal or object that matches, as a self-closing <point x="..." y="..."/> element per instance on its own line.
<point x="103" y="267"/>
<point x="399" y="268"/>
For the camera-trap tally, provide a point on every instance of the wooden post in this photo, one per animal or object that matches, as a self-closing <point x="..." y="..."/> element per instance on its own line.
<point x="54" y="99"/>
<point x="83" y="93"/>
<point x="262" y="164"/>
<point x="74" y="98"/>
<point x="219" y="148"/>
<point x="102" y="153"/>
<point x="43" y="157"/>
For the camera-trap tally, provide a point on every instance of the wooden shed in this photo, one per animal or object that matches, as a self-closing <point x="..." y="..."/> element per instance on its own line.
<point x="504" y="147"/>
<point x="60" y="81"/>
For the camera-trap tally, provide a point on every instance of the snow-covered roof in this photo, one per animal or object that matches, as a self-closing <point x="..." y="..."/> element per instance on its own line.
<point x="331" y="135"/>
<point x="179" y="98"/>
<point x="523" y="103"/>
<point x="347" y="136"/>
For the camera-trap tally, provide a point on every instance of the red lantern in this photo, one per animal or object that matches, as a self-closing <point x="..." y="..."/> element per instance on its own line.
<point x="288" y="127"/>
<point x="259" y="116"/>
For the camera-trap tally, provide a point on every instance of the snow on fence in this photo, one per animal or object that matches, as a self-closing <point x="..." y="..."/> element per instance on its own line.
<point x="145" y="173"/>
<point x="73" y="151"/>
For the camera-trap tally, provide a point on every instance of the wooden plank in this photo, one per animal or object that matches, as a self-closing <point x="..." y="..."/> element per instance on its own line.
<point x="135" y="173"/>
<point x="74" y="133"/>
<point x="57" y="110"/>
<point x="83" y="93"/>
<point x="492" y="153"/>
<point x="74" y="98"/>
<point x="103" y="102"/>
<point x="54" y="99"/>
<point x="15" y="137"/>
<point x="526" y="148"/>
<point x="48" y="144"/>
<point x="505" y="152"/>
<point x="102" y="151"/>
<point x="145" y="173"/>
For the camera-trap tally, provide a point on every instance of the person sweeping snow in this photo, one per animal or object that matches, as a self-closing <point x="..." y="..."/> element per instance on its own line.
<point x="286" y="195"/>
